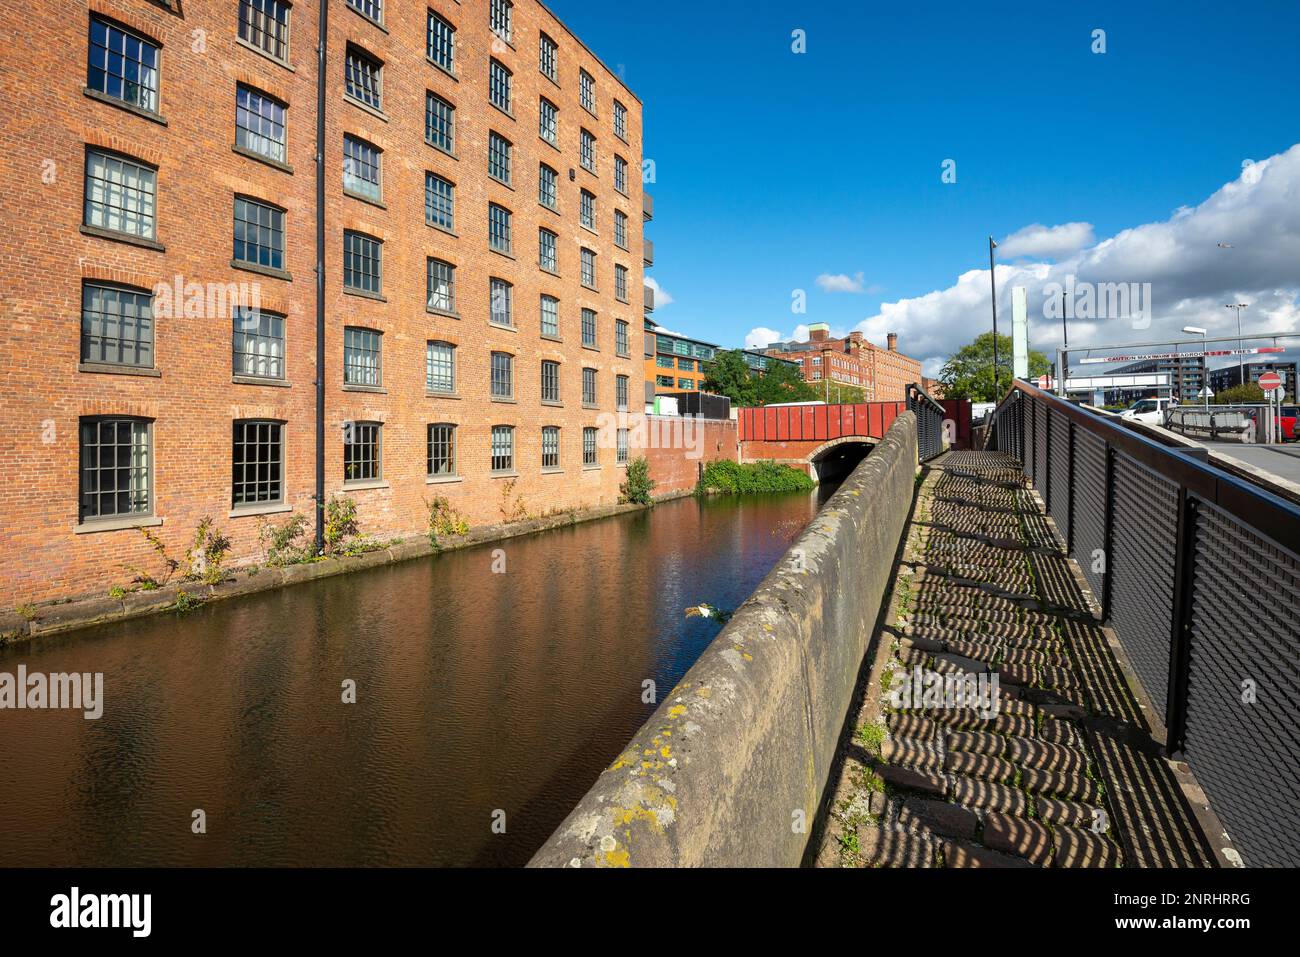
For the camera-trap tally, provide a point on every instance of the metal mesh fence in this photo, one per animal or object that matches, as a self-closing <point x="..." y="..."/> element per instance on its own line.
<point x="1244" y="641"/>
<point x="1144" y="542"/>
<point x="1089" y="494"/>
<point x="1059" y="469"/>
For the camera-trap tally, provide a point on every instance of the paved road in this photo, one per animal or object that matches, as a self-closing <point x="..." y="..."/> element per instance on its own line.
<point x="1280" y="460"/>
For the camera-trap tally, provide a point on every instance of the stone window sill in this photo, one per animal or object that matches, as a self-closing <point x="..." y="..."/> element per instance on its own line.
<point x="362" y="486"/>
<point x="268" y="508"/>
<point x="254" y="155"/>
<point x="262" y="53"/>
<point x="258" y="380"/>
<point x="123" y="105"/>
<point x="375" y="389"/>
<point x="118" y="524"/>
<point x="362" y="197"/>
<point x="443" y="479"/>
<point x="366" y="107"/>
<point x="261" y="270"/>
<point x="362" y="294"/>
<point x="110" y="369"/>
<point x="127" y="238"/>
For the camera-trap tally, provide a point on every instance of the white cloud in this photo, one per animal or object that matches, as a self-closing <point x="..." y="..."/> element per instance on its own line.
<point x="1047" y="242"/>
<point x="760" y="337"/>
<point x="841" y="282"/>
<point x="662" y="298"/>
<point x="1191" y="276"/>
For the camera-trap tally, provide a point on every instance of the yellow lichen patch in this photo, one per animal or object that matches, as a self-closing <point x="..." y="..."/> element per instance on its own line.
<point x="624" y="760"/>
<point x="705" y="692"/>
<point x="747" y="656"/>
<point x="617" y="858"/>
<point x="676" y="711"/>
<point x="666" y="752"/>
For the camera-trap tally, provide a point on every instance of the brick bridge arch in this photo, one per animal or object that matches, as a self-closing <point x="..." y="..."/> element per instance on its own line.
<point x="808" y="436"/>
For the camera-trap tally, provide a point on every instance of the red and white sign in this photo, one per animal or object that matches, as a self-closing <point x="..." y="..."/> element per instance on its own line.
<point x="1270" y="382"/>
<point x="1208" y="353"/>
<point x="1046" y="382"/>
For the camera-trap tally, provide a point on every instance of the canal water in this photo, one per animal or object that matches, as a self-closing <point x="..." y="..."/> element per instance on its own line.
<point x="486" y="703"/>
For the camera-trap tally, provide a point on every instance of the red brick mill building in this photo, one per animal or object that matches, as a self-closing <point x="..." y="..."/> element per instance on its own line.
<point x="481" y="286"/>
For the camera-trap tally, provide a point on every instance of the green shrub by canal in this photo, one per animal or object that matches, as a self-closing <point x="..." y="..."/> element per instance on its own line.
<point x="733" y="478"/>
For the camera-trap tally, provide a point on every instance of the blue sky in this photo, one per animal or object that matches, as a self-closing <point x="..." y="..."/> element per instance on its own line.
<point x="774" y="167"/>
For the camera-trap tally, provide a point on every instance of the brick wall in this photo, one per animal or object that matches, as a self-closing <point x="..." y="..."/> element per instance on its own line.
<point x="676" y="468"/>
<point x="191" y="395"/>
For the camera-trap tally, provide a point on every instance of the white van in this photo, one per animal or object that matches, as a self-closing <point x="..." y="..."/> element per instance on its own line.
<point x="1152" y="411"/>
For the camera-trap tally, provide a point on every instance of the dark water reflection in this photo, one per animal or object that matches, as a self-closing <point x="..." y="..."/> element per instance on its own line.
<point x="477" y="692"/>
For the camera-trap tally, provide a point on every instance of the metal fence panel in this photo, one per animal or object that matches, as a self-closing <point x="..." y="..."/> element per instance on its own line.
<point x="1059" y="469"/>
<point x="1089" y="495"/>
<point x="1041" y="440"/>
<point x="1142" y="592"/>
<point x="1245" y="630"/>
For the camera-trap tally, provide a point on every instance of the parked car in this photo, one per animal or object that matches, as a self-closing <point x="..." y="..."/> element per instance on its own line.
<point x="1152" y="411"/>
<point x="1290" y="418"/>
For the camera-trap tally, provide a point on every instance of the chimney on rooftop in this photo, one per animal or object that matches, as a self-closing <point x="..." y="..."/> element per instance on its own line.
<point x="819" y="332"/>
<point x="891" y="342"/>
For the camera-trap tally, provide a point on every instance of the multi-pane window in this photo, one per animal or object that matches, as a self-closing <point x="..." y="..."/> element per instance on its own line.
<point x="620" y="228"/>
<point x="120" y="195"/>
<point x="361" y="357"/>
<point x="258" y="346"/>
<point x="499" y="227"/>
<point x="587" y="91"/>
<point x="588" y="212"/>
<point x="550" y="381"/>
<point x="441" y="286"/>
<point x="362" y="451"/>
<point x="685" y="384"/>
<point x="588" y="268"/>
<point x="550" y="447"/>
<point x="550" y="316"/>
<point x="503" y="375"/>
<point x="589" y="327"/>
<point x="546" y="257"/>
<point x="547" y="120"/>
<point x="501" y="19"/>
<point x="257" y="462"/>
<point x="620" y="337"/>
<point x="499" y="85"/>
<point x="439" y="123"/>
<point x="363" y="78"/>
<point x="440" y="367"/>
<point x="442" y="449"/>
<point x="546" y="185"/>
<point x="116" y="468"/>
<point x="620" y="174"/>
<point x="442" y="43"/>
<point x="620" y="450"/>
<point x="501" y="304"/>
<point x="265" y="25"/>
<point x="439" y="202"/>
<point x="546" y="56"/>
<point x="259" y="124"/>
<point x="686" y="364"/>
<point x="620" y="283"/>
<point x="116" y="326"/>
<point x="503" y="448"/>
<point x="664" y="380"/>
<point x="587" y="155"/>
<point x="588" y="386"/>
<point x="499" y="157"/>
<point x="122" y="65"/>
<point x="259" y="234"/>
<point x="620" y="392"/>
<point x="588" y="446"/>
<point x="664" y="362"/>
<point x="362" y="262"/>
<point x="370" y="9"/>
<point x="360" y="167"/>
<point x="620" y="120"/>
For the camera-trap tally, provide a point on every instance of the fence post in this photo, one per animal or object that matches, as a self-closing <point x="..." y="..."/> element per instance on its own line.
<point x="1181" y="632"/>
<point x="1047" y="457"/>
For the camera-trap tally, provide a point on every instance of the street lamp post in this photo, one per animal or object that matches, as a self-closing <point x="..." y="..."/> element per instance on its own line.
<point x="1205" y="371"/>
<point x="1241" y="372"/>
<point x="993" y="287"/>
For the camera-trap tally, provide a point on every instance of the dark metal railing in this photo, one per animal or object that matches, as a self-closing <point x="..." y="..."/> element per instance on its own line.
<point x="1198" y="572"/>
<point x="929" y="422"/>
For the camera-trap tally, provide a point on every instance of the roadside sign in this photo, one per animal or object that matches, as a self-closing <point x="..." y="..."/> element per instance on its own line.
<point x="1270" y="382"/>
<point x="1200" y="354"/>
<point x="1046" y="382"/>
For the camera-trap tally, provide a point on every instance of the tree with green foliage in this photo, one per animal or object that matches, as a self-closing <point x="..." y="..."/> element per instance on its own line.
<point x="730" y="375"/>
<point x="968" y="373"/>
<point x="1247" y="394"/>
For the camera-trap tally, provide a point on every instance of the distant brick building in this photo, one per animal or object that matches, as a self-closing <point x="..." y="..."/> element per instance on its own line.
<point x="482" y="272"/>
<point x="882" y="374"/>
